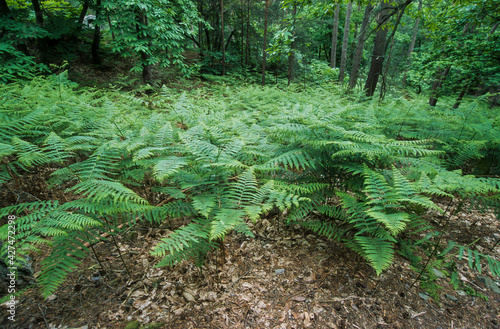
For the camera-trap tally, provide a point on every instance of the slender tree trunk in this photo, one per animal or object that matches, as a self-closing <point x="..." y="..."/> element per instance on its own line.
<point x="247" y="46"/>
<point x="493" y="29"/>
<point x="291" y="56"/>
<point x="264" y="45"/>
<point x="378" y="51"/>
<point x="437" y="84"/>
<point x="110" y="26"/>
<point x="96" y="59"/>
<point x="412" y="43"/>
<point x="333" y="51"/>
<point x="242" y="34"/>
<point x="461" y="96"/>
<point x="43" y="46"/>
<point x="345" y="42"/>
<point x="356" y="62"/>
<point x="147" y="72"/>
<point x="83" y="13"/>
<point x="390" y="41"/>
<point x="200" y="29"/>
<point x="222" y="37"/>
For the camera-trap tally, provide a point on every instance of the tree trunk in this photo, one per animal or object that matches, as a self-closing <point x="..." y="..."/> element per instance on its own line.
<point x="242" y="33"/>
<point x="378" y="51"/>
<point x="291" y="56"/>
<point x="264" y="45"/>
<point x="110" y="26"/>
<point x="200" y="29"/>
<point x="412" y="43"/>
<point x="356" y="62"/>
<point x="222" y="37"/>
<point x="345" y="42"/>
<point x="437" y="84"/>
<point x="4" y="8"/>
<point x="461" y="96"/>
<point x="83" y="13"/>
<point x="43" y="46"/>
<point x="96" y="59"/>
<point x="247" y="46"/>
<point x="333" y="51"/>
<point x="390" y="41"/>
<point x="147" y="72"/>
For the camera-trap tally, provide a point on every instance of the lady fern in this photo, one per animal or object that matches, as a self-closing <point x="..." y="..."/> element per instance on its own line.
<point x="360" y="173"/>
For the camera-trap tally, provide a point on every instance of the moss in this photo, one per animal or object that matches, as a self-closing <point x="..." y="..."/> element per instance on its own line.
<point x="133" y="325"/>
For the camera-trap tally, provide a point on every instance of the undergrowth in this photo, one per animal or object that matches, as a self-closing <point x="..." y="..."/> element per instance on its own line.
<point x="362" y="173"/>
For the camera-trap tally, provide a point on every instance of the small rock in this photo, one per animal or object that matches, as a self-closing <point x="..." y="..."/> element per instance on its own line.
<point x="438" y="273"/>
<point x="424" y="296"/>
<point x="280" y="271"/>
<point x="488" y="282"/>
<point x="450" y="297"/>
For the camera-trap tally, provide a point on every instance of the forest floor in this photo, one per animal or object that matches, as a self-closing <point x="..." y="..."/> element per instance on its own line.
<point x="284" y="277"/>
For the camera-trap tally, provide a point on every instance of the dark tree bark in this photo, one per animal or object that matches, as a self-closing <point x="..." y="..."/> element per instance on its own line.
<point x="291" y="56"/>
<point x="378" y="51"/>
<point x="4" y="8"/>
<point x="242" y="33"/>
<point x="200" y="29"/>
<point x="264" y="45"/>
<point x="333" y="51"/>
<point x="110" y="26"/>
<point x="412" y="43"/>
<point x="345" y="42"/>
<point x="461" y="96"/>
<point x="96" y="42"/>
<point x="222" y="37"/>
<point x="390" y="41"/>
<point x="43" y="46"/>
<point x="356" y="62"/>
<point x="83" y="13"/>
<point x="437" y="84"/>
<point x="247" y="43"/>
<point x="147" y="72"/>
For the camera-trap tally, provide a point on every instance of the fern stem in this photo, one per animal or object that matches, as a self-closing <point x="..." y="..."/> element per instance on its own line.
<point x="121" y="256"/>
<point x="444" y="214"/>
<point x="467" y="117"/>
<point x="97" y="258"/>
<point x="433" y="253"/>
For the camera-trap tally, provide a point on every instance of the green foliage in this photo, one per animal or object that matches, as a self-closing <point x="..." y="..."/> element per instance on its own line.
<point x="15" y="61"/>
<point x="155" y="31"/>
<point x="356" y="173"/>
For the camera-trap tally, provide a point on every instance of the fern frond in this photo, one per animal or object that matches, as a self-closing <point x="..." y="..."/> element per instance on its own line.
<point x="98" y="190"/>
<point x="225" y="220"/>
<point x="65" y="257"/>
<point x="377" y="251"/>
<point x="167" y="167"/>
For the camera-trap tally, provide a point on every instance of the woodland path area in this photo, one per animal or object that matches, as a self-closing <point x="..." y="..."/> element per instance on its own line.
<point x="282" y="278"/>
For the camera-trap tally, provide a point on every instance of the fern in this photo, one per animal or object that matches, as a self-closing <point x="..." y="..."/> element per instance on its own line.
<point x="360" y="173"/>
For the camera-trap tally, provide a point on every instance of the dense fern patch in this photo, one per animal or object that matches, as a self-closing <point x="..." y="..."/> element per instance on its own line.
<point x="359" y="172"/>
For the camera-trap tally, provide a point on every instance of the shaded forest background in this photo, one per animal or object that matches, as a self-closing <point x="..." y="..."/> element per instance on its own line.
<point x="441" y="48"/>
